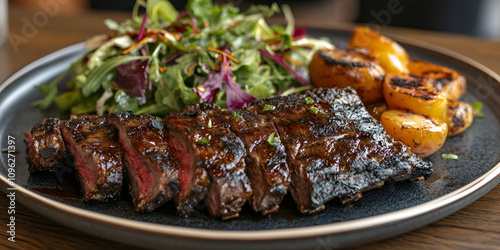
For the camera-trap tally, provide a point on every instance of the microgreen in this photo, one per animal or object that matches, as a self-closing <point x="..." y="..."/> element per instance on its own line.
<point x="314" y="110"/>
<point x="477" y="106"/>
<point x="273" y="140"/>
<point x="309" y="100"/>
<point x="237" y="116"/>
<point x="204" y="140"/>
<point x="450" y="156"/>
<point x="268" y="107"/>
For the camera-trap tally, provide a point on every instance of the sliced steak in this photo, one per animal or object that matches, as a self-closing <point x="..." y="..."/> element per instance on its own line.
<point x="193" y="178"/>
<point x="265" y="160"/>
<point x="379" y="157"/>
<point x="97" y="156"/>
<point x="205" y="149"/>
<point x="335" y="148"/>
<point x="152" y="170"/>
<point x="45" y="146"/>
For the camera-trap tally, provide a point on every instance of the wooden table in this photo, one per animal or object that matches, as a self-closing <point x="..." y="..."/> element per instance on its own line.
<point x="475" y="226"/>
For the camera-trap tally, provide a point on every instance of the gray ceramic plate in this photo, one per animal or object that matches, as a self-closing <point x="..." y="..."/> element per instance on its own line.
<point x="386" y="212"/>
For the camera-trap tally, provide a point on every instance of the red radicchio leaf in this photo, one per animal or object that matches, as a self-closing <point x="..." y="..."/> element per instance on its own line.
<point x="212" y="84"/>
<point x="235" y="96"/>
<point x="143" y="27"/>
<point x="178" y="28"/>
<point x="132" y="77"/>
<point x="299" y="33"/>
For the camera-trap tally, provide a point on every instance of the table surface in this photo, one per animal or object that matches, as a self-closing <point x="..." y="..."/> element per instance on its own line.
<point x="475" y="226"/>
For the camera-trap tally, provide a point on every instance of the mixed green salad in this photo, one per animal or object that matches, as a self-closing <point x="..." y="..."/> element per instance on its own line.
<point x="162" y="59"/>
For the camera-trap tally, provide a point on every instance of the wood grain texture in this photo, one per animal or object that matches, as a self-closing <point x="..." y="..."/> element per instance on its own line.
<point x="477" y="226"/>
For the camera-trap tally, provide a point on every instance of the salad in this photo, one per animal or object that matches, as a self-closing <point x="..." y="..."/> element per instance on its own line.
<point x="161" y="60"/>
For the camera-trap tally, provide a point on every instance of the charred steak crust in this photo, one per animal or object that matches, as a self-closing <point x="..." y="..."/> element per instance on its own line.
<point x="335" y="148"/>
<point x="152" y="170"/>
<point x="396" y="152"/>
<point x="329" y="147"/>
<point x="216" y="150"/>
<point x="98" y="156"/>
<point x="265" y="163"/>
<point x="46" y="146"/>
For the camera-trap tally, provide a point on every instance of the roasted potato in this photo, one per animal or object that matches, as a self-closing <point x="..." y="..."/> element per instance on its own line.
<point x="407" y="92"/>
<point x="422" y="134"/>
<point x="340" y="68"/>
<point x="443" y="79"/>
<point x="389" y="54"/>
<point x="459" y="116"/>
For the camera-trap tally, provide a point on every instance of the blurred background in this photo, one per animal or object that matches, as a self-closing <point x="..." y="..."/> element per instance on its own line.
<point x="478" y="18"/>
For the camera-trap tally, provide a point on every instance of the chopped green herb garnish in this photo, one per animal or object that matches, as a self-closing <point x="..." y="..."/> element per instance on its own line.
<point x="314" y="110"/>
<point x="450" y="156"/>
<point x="309" y="100"/>
<point x="238" y="117"/>
<point x="209" y="125"/>
<point x="263" y="116"/>
<point x="272" y="140"/>
<point x="268" y="107"/>
<point x="477" y="106"/>
<point x="205" y="140"/>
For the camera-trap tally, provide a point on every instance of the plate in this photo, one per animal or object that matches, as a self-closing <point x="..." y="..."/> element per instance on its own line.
<point x="394" y="209"/>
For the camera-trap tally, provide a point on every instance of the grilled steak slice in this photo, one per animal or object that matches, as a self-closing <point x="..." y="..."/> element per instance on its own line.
<point x="203" y="149"/>
<point x="193" y="178"/>
<point x="335" y="148"/>
<point x="97" y="156"/>
<point x="151" y="168"/>
<point x="265" y="160"/>
<point x="45" y="146"/>
<point x="398" y="162"/>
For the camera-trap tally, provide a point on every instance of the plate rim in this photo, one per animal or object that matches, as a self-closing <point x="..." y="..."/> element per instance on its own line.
<point x="487" y="181"/>
<point x="268" y="234"/>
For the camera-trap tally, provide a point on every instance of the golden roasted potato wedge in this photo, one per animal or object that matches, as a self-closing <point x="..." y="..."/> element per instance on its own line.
<point x="340" y="68"/>
<point x="389" y="54"/>
<point x="459" y="116"/>
<point x="443" y="79"/>
<point x="407" y="92"/>
<point x="422" y="134"/>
